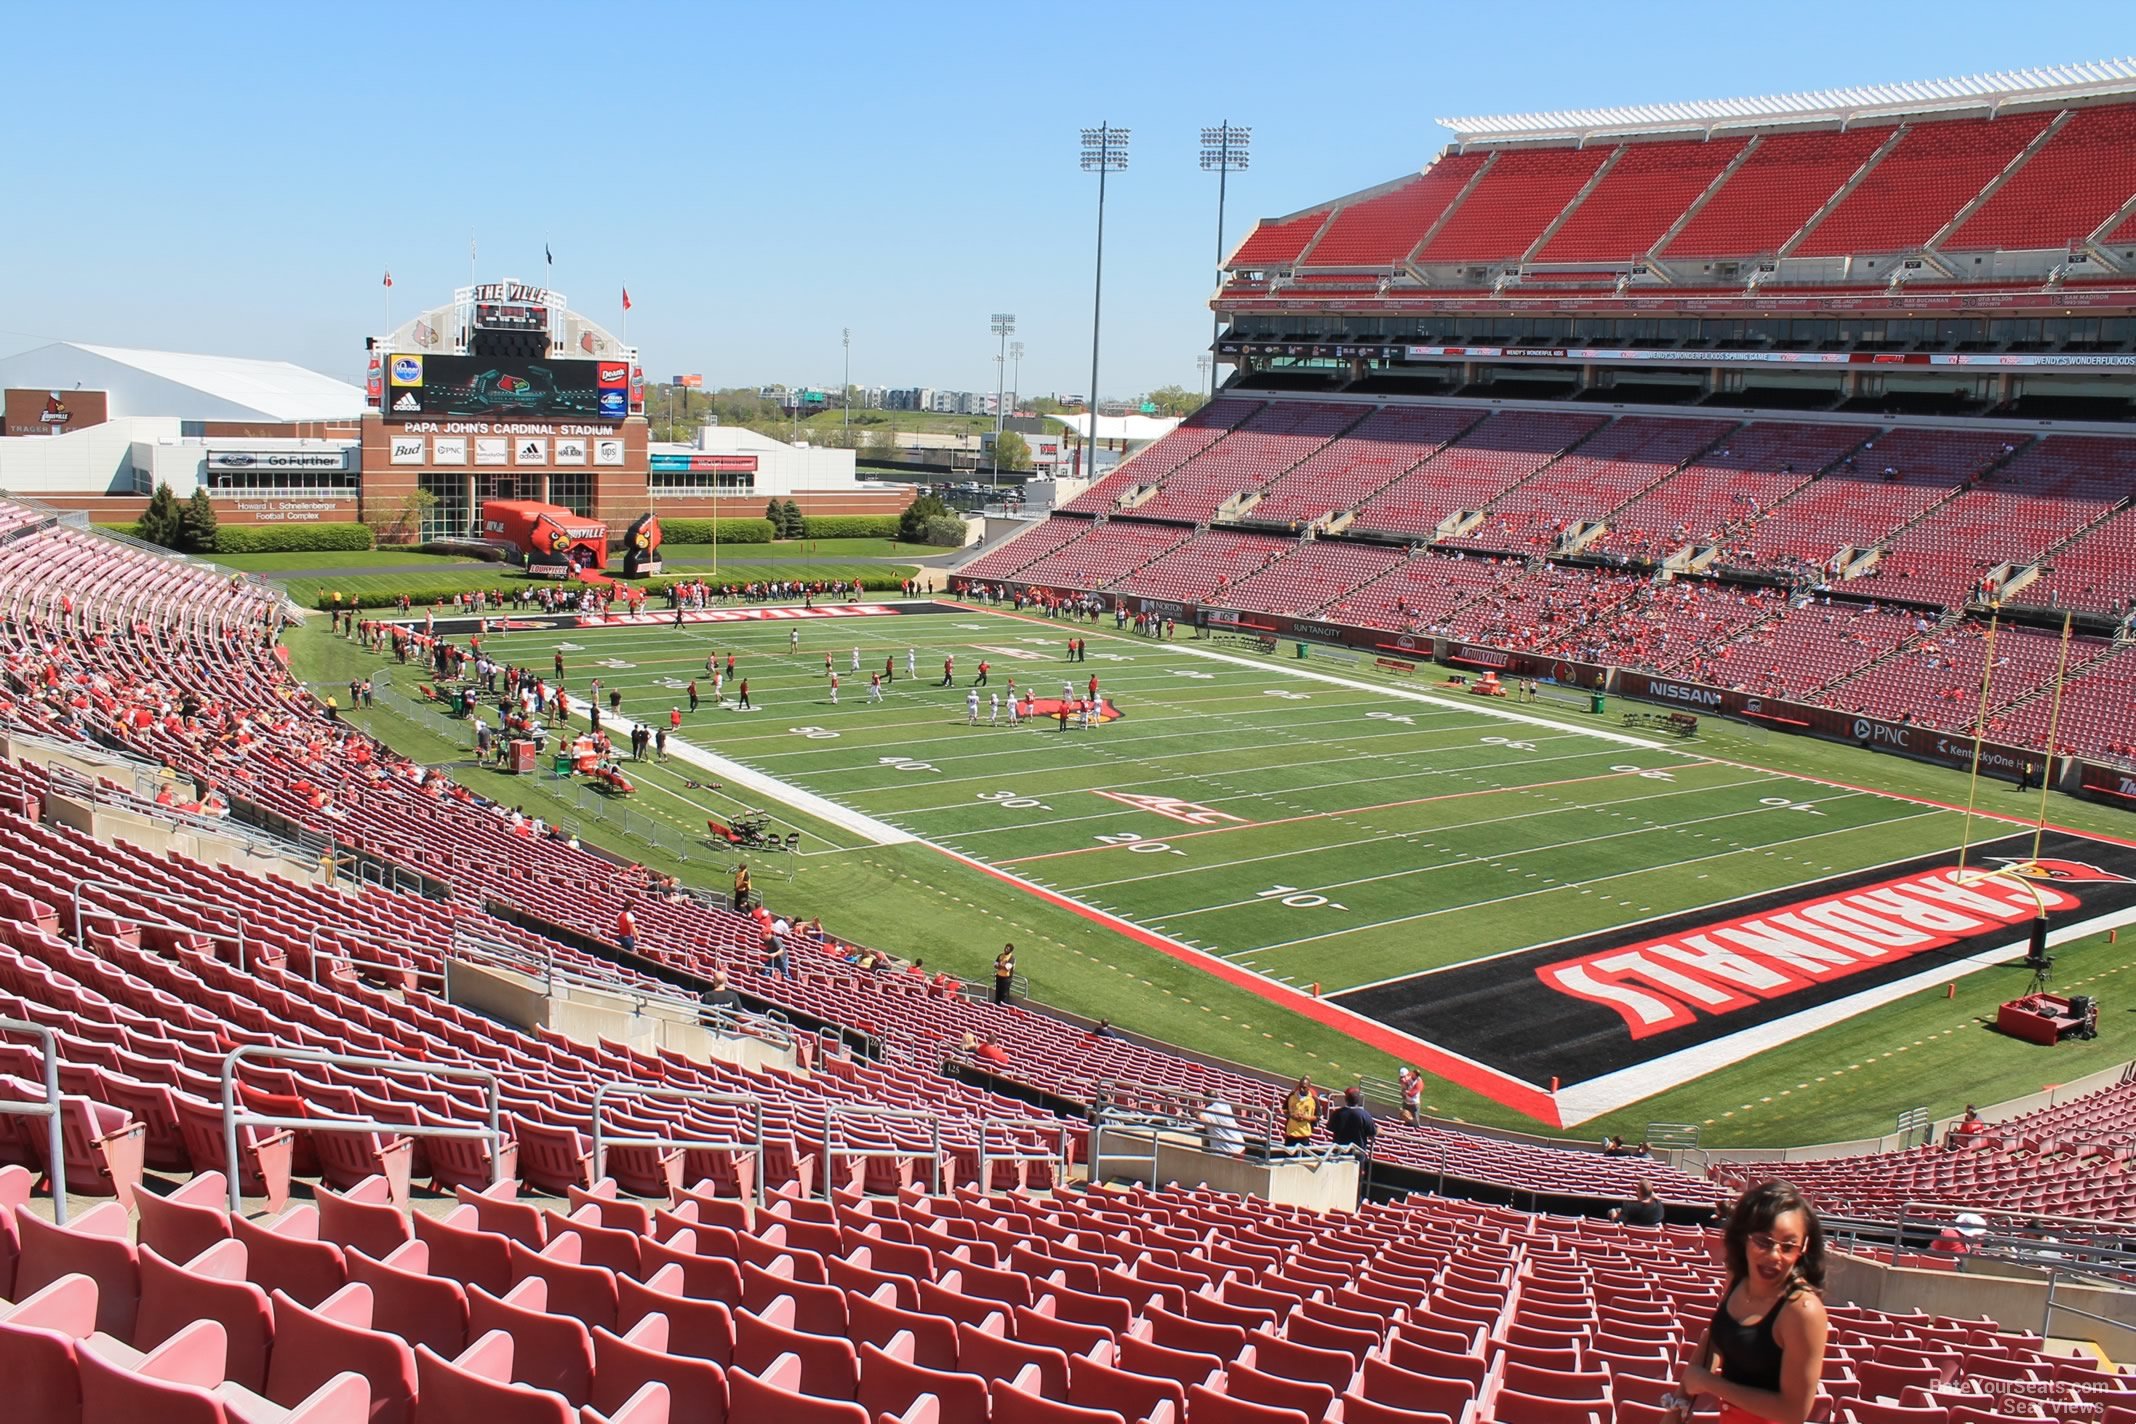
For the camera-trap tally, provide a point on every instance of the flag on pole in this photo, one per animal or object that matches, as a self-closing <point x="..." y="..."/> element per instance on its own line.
<point x="626" y="299"/>
<point x="547" y="255"/>
<point x="389" y="278"/>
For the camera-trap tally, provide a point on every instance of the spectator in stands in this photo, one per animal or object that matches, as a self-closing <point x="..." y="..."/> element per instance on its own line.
<point x="741" y="887"/>
<point x="1764" y="1350"/>
<point x="1644" y="1209"/>
<point x="626" y="929"/>
<point x="992" y="1053"/>
<point x="1962" y="1236"/>
<point x="721" y="995"/>
<point x="1965" y="1129"/>
<point x="1223" y="1128"/>
<point x="1004" y="973"/>
<point x="1412" y="1085"/>
<point x="1301" y="1114"/>
<point x="1352" y="1125"/>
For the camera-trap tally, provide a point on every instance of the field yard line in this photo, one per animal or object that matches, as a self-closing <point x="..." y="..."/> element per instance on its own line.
<point x="868" y="827"/>
<point x="1405" y="835"/>
<point x="1511" y="716"/>
<point x="1187" y="715"/>
<point x="1502" y="1088"/>
<point x="1324" y="815"/>
<point x="1487" y="859"/>
<point x="906" y="748"/>
<point x="1582" y="884"/>
<point x="1502" y="714"/>
<point x="1230" y="795"/>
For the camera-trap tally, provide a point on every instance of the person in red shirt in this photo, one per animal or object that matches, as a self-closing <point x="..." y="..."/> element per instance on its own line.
<point x="626" y="930"/>
<point x="674" y="719"/>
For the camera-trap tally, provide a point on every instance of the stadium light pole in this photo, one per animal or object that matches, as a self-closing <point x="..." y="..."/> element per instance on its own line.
<point x="1104" y="151"/>
<point x="1202" y="363"/>
<point x="1003" y="324"/>
<point x="1223" y="153"/>
<point x="845" y="396"/>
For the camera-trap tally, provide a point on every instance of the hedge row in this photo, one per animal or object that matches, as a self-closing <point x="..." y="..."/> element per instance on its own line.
<point x="849" y="526"/>
<point x="890" y="581"/>
<point x="276" y="538"/>
<point x="731" y="531"/>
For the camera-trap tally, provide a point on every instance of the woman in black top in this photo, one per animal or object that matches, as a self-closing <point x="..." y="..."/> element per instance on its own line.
<point x="1764" y="1350"/>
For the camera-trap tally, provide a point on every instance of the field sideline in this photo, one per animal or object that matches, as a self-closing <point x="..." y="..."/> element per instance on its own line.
<point x="1306" y="826"/>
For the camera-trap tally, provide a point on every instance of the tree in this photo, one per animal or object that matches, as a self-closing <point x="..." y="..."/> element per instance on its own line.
<point x="1012" y="451"/>
<point x="196" y="524"/>
<point x="792" y="523"/>
<point x="159" y="522"/>
<point x="912" y="524"/>
<point x="882" y="445"/>
<point x="777" y="518"/>
<point x="405" y="518"/>
<point x="1176" y="401"/>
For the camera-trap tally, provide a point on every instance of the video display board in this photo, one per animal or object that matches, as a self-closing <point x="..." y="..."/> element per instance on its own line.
<point x="421" y="386"/>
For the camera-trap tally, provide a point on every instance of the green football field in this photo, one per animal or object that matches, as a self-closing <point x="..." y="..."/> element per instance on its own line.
<point x="1317" y="825"/>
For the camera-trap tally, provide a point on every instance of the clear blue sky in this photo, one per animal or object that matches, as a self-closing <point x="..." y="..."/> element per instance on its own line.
<point x="235" y="178"/>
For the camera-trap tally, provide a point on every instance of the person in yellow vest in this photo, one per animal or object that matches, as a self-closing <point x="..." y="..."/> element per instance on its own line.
<point x="1301" y="1114"/>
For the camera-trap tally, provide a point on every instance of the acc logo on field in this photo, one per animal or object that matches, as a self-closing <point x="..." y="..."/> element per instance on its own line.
<point x="407" y="371"/>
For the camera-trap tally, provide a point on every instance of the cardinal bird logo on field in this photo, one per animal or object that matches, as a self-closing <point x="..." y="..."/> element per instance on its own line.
<point x="2064" y="872"/>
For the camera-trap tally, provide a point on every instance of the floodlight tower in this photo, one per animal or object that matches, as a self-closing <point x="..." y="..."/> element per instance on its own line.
<point x="1104" y="151"/>
<point x="1016" y="364"/>
<point x="1223" y="153"/>
<point x="1002" y="325"/>
<point x="845" y="396"/>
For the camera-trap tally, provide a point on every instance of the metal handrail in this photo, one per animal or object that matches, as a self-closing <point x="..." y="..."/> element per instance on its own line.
<point x="235" y="1117"/>
<point x="755" y="1147"/>
<point x="834" y="1113"/>
<point x="49" y="1110"/>
<point x="320" y="954"/>
<point x="135" y="892"/>
<point x="1058" y="1157"/>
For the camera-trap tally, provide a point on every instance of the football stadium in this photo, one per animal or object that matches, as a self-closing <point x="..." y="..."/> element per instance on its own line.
<point x="1625" y="692"/>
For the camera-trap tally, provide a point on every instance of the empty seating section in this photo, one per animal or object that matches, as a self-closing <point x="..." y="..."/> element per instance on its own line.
<point x="1809" y="646"/>
<point x="2070" y="185"/>
<point x="1865" y="499"/>
<point x="2095" y="572"/>
<point x="1149" y="466"/>
<point x="1920" y="185"/>
<point x="1278" y="243"/>
<point x="1026" y="548"/>
<point x="2013" y="515"/>
<point x="1261" y="447"/>
<point x="1193" y="1307"/>
<point x="1381" y="229"/>
<point x="1319" y="573"/>
<point x="1111" y="550"/>
<point x="1936" y="679"/>
<point x="2098" y="712"/>
<point x="1488" y="459"/>
<point x="1776" y="189"/>
<point x="2064" y="1160"/>
<point x="1345" y="473"/>
<point x="1511" y="205"/>
<point x="1728" y="488"/>
<point x="1206" y="567"/>
<point x="1609" y="468"/>
<point x="1638" y="199"/>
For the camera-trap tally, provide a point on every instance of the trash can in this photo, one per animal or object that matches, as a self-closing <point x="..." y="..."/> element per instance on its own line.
<point x="1301" y="650"/>
<point x="561" y="765"/>
<point x="1596" y="702"/>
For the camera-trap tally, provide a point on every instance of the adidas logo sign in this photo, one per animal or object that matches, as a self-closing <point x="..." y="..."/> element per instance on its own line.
<point x="408" y="402"/>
